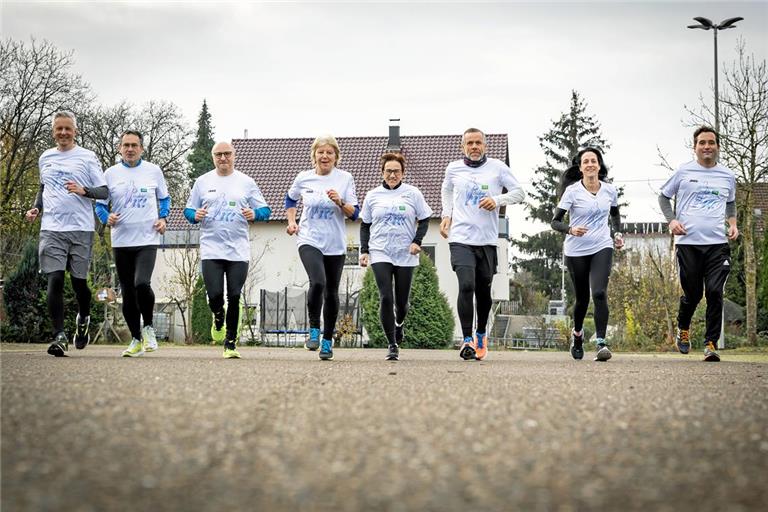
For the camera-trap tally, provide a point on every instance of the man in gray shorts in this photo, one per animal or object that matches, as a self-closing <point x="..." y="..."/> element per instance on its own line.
<point x="70" y="177"/>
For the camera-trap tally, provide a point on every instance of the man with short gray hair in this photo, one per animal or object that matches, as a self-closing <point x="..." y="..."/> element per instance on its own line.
<point x="473" y="190"/>
<point x="70" y="178"/>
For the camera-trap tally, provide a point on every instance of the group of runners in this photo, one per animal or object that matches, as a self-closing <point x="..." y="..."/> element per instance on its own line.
<point x="132" y="199"/>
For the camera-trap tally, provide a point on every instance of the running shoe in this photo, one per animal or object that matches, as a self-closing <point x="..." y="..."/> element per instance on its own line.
<point x="218" y="333"/>
<point x="149" y="338"/>
<point x="82" y="337"/>
<point x="577" y="345"/>
<point x="467" y="351"/>
<point x="683" y="341"/>
<point x="710" y="355"/>
<point x="313" y="343"/>
<point x="399" y="333"/>
<point x="230" y="350"/>
<point x="326" y="350"/>
<point x="59" y="346"/>
<point x="481" y="346"/>
<point x="393" y="354"/>
<point x="135" y="349"/>
<point x="603" y="352"/>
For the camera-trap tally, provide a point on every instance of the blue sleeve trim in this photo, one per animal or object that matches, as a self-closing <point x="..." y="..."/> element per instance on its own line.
<point x="164" y="207"/>
<point x="355" y="214"/>
<point x="290" y="203"/>
<point x="261" y="214"/>
<point x="102" y="212"/>
<point x="189" y="213"/>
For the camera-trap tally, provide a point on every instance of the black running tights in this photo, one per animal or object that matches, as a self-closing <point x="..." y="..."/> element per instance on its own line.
<point x="474" y="283"/>
<point x="394" y="306"/>
<point x="134" y="270"/>
<point x="591" y="272"/>
<point x="56" y="298"/>
<point x="236" y="272"/>
<point x="324" y="274"/>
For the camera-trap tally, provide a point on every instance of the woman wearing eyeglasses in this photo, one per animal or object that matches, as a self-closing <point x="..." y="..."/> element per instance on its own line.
<point x="395" y="219"/>
<point x="328" y="197"/>
<point x="225" y="201"/>
<point x="589" y="201"/>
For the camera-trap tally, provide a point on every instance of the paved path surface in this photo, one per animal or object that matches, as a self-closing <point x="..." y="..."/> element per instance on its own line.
<point x="184" y="430"/>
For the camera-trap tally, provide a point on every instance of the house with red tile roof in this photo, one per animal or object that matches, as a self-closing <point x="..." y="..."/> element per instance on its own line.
<point x="273" y="163"/>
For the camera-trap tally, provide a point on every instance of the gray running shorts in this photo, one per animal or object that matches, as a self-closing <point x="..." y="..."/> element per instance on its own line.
<point x="66" y="250"/>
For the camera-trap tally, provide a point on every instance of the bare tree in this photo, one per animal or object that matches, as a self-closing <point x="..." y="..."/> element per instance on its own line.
<point x="183" y="283"/>
<point x="167" y="140"/>
<point x="101" y="127"/>
<point x="36" y="80"/>
<point x="744" y="148"/>
<point x="255" y="276"/>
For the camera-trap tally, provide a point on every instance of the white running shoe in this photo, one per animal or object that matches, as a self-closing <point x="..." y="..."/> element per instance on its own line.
<point x="150" y="338"/>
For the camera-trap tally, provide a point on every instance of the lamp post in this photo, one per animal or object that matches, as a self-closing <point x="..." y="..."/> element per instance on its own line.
<point x="706" y="24"/>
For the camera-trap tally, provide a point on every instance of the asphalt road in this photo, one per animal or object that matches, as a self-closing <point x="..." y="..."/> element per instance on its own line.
<point x="184" y="430"/>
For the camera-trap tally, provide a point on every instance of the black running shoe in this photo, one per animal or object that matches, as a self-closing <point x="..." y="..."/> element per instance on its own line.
<point x="394" y="353"/>
<point x="82" y="337"/>
<point x="577" y="345"/>
<point x="467" y="351"/>
<point x="59" y="346"/>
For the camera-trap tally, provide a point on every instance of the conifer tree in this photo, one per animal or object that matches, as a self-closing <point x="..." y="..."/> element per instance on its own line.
<point x="201" y="315"/>
<point x="200" y="158"/>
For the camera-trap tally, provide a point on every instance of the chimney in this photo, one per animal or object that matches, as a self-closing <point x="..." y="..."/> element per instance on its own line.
<point x="393" y="144"/>
<point x="245" y="133"/>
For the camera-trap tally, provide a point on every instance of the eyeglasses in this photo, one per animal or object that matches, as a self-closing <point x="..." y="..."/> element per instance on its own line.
<point x="223" y="154"/>
<point x="393" y="171"/>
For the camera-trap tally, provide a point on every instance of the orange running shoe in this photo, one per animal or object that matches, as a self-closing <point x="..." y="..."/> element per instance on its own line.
<point x="481" y="346"/>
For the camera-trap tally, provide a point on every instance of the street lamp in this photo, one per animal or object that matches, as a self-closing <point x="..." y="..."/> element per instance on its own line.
<point x="706" y="24"/>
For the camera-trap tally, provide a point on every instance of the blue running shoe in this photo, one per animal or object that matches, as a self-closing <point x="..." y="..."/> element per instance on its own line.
<point x="313" y="343"/>
<point x="683" y="341"/>
<point x="326" y="350"/>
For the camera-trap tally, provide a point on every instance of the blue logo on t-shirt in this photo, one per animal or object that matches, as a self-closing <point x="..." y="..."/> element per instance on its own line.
<point x="595" y="218"/>
<point x="394" y="217"/>
<point x="706" y="199"/>
<point x="320" y="212"/>
<point x="219" y="210"/>
<point x="474" y="193"/>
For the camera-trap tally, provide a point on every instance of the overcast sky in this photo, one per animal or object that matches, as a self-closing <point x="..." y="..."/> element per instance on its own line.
<point x="304" y="68"/>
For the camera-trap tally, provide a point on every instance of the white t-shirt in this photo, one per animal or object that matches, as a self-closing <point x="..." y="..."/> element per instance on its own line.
<point x="63" y="211"/>
<point x="134" y="194"/>
<point x="592" y="211"/>
<point x="701" y="196"/>
<point x="224" y="231"/>
<point x="470" y="224"/>
<point x="393" y="215"/>
<point x="322" y="221"/>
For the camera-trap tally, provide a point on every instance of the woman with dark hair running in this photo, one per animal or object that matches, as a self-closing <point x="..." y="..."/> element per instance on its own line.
<point x="395" y="219"/>
<point x="589" y="201"/>
<point x="329" y="197"/>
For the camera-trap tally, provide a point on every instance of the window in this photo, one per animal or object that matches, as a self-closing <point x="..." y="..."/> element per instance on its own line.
<point x="352" y="256"/>
<point x="429" y="250"/>
<point x="180" y="239"/>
